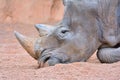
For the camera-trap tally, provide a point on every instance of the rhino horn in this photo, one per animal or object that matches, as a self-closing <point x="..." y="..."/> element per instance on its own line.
<point x="27" y="44"/>
<point x="44" y="29"/>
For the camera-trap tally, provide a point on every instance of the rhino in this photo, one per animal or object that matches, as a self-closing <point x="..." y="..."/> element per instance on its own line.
<point x="87" y="26"/>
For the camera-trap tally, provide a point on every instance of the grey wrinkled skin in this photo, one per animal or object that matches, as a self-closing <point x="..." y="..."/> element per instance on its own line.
<point x="87" y="26"/>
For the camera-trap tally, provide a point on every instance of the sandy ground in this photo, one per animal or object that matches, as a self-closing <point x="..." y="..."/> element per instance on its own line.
<point x="16" y="64"/>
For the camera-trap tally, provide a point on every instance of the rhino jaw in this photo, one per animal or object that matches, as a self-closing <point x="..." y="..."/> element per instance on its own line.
<point x="27" y="44"/>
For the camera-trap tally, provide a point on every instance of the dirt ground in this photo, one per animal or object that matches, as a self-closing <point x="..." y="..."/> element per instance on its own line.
<point x="16" y="64"/>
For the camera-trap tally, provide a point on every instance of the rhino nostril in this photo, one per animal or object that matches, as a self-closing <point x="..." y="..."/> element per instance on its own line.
<point x="46" y="59"/>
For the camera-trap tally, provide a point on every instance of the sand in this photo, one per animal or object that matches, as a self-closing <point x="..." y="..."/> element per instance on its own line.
<point x="16" y="64"/>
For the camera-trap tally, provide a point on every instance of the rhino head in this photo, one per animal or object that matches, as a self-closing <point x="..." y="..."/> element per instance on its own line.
<point x="59" y="44"/>
<point x="74" y="39"/>
<point x="69" y="41"/>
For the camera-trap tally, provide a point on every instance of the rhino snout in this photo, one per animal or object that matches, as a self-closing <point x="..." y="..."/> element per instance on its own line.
<point x="52" y="58"/>
<point x="48" y="60"/>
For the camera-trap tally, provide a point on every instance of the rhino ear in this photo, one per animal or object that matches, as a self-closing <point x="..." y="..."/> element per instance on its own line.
<point x="65" y="2"/>
<point x="44" y="29"/>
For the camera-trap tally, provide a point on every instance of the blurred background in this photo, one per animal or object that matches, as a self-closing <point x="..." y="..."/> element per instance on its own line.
<point x="30" y="11"/>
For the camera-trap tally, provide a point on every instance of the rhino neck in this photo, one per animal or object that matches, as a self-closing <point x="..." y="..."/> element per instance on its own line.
<point x="118" y="20"/>
<point x="107" y="10"/>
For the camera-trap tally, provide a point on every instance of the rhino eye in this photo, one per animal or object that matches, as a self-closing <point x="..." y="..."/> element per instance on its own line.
<point x="64" y="31"/>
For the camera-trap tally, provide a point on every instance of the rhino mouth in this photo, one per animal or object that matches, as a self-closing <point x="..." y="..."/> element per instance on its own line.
<point x="47" y="59"/>
<point x="51" y="57"/>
